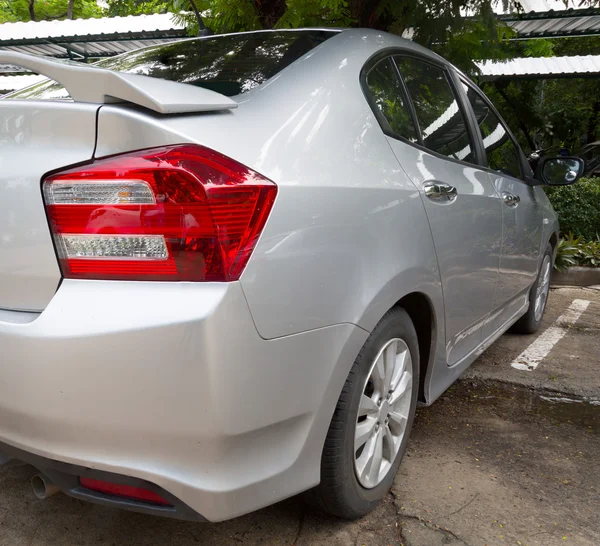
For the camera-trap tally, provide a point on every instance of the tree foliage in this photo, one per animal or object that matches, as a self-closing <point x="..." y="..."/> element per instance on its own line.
<point x="553" y="113"/>
<point x="560" y="113"/>
<point x="439" y="24"/>
<point x="578" y="207"/>
<point x="122" y="8"/>
<point x="12" y="11"/>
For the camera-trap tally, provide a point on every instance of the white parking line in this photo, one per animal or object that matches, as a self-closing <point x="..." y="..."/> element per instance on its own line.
<point x="530" y="358"/>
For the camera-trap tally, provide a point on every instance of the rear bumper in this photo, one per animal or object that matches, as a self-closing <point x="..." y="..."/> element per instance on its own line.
<point x="170" y="383"/>
<point x="67" y="478"/>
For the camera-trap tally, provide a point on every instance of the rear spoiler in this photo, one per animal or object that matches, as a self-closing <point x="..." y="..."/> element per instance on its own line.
<point x="98" y="85"/>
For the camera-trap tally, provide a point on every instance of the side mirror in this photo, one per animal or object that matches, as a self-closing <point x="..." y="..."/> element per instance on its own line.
<point x="559" y="171"/>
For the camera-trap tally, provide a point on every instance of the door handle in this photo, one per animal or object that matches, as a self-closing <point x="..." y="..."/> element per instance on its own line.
<point x="510" y="199"/>
<point x="440" y="192"/>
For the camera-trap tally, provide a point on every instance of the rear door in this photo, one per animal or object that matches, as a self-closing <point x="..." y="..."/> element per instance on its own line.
<point x="35" y="137"/>
<point x="429" y="136"/>
<point x="522" y="211"/>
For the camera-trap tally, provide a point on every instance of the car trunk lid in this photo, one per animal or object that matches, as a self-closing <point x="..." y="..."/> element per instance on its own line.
<point x="35" y="138"/>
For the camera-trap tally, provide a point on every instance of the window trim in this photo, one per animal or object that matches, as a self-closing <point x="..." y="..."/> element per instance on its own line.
<point x="438" y="63"/>
<point x="409" y="102"/>
<point x="520" y="154"/>
<point x="383" y="122"/>
<point x="463" y="105"/>
<point x="471" y="119"/>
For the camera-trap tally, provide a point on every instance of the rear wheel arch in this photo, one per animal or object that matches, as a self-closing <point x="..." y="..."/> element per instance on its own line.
<point x="341" y="492"/>
<point x="421" y="312"/>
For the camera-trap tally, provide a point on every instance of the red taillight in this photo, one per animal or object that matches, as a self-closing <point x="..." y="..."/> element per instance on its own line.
<point x="181" y="213"/>
<point x="126" y="491"/>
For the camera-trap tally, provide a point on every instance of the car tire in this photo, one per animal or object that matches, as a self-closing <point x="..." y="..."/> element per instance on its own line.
<point x="342" y="491"/>
<point x="530" y="322"/>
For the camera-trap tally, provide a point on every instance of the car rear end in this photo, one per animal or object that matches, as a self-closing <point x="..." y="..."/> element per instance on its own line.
<point x="132" y="370"/>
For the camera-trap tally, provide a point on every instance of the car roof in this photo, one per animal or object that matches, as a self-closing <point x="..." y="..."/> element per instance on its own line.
<point x="379" y="39"/>
<point x="364" y="43"/>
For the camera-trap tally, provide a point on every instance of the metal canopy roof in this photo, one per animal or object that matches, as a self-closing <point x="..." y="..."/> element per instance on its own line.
<point x="81" y="39"/>
<point x="555" y="24"/>
<point x="84" y="38"/>
<point x="541" y="68"/>
<point x="10" y="83"/>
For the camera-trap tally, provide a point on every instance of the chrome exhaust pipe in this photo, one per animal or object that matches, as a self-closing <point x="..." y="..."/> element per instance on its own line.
<point x="43" y="487"/>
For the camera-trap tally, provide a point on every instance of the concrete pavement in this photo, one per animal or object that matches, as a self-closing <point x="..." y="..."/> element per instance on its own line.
<point x="571" y="368"/>
<point x="495" y="467"/>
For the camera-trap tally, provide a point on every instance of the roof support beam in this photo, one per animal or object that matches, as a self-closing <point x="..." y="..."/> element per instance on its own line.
<point x="71" y="51"/>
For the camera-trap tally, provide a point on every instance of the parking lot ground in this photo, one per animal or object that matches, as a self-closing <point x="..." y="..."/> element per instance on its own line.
<point x="569" y="369"/>
<point x="511" y="454"/>
<point x="500" y="459"/>
<point x="494" y="466"/>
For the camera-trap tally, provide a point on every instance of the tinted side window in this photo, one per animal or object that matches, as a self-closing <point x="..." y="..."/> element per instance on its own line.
<point x="386" y="91"/>
<point x="502" y="153"/>
<point x="440" y="118"/>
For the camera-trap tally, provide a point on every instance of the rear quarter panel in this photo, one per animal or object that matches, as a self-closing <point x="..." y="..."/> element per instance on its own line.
<point x="348" y="236"/>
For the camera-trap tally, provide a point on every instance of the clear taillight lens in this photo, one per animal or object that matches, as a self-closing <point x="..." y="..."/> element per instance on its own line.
<point x="182" y="213"/>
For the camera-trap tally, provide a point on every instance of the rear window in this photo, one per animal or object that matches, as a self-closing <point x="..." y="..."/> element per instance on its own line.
<point x="230" y="65"/>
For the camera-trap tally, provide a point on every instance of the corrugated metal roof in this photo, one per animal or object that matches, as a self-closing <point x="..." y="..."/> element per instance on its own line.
<point x="78" y="38"/>
<point x="87" y="27"/>
<point x="10" y="83"/>
<point x="9" y="68"/>
<point x="107" y="48"/>
<point x="533" y="5"/>
<point x="442" y="120"/>
<point x="541" y="67"/>
<point x="553" y="24"/>
<point x="546" y="24"/>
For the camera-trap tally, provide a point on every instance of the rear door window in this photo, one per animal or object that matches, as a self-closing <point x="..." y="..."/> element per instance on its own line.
<point x="230" y="65"/>
<point x="387" y="96"/>
<point x="502" y="153"/>
<point x="441" y="119"/>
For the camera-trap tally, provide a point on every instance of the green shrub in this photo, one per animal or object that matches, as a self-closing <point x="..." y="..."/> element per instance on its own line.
<point x="578" y="207"/>
<point x="590" y="253"/>
<point x="573" y="251"/>
<point x="567" y="253"/>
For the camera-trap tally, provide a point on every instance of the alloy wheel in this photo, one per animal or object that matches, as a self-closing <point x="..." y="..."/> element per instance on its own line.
<point x="383" y="413"/>
<point x="543" y="288"/>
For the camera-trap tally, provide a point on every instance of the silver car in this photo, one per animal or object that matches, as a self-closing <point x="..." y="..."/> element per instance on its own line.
<point x="231" y="267"/>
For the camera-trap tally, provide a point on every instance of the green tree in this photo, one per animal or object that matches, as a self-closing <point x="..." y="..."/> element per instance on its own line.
<point x="12" y="11"/>
<point x="122" y="8"/>
<point x="146" y="7"/>
<point x="438" y="24"/>
<point x="551" y="113"/>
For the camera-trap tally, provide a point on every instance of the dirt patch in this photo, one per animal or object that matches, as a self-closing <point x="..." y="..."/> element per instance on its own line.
<point x="484" y="467"/>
